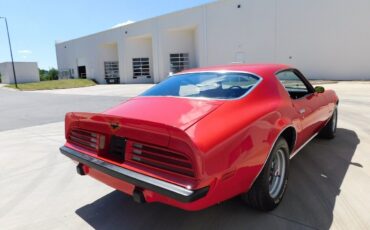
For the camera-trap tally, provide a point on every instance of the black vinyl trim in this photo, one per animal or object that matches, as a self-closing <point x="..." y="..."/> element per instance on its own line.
<point x="142" y="181"/>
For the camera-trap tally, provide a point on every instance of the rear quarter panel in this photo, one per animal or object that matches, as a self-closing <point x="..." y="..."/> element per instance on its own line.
<point x="331" y="97"/>
<point x="235" y="140"/>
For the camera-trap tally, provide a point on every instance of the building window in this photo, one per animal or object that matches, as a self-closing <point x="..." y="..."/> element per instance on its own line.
<point x="179" y="62"/>
<point x="141" y="67"/>
<point x="111" y="69"/>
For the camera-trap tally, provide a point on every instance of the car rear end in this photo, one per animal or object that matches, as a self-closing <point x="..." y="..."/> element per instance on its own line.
<point x="161" y="146"/>
<point x="150" y="161"/>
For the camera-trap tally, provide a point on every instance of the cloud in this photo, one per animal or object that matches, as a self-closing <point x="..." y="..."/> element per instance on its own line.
<point x="123" y="23"/>
<point x="25" y="52"/>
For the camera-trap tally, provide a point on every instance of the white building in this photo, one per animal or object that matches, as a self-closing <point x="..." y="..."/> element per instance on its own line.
<point x="325" y="39"/>
<point x="24" y="71"/>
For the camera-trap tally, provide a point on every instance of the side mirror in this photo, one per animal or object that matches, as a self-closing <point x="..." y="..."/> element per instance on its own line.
<point x="319" y="89"/>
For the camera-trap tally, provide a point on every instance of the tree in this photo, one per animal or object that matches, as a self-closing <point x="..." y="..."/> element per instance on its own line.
<point x="47" y="75"/>
<point x="52" y="74"/>
<point x="43" y="74"/>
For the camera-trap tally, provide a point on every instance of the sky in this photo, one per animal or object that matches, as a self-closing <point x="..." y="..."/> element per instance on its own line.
<point x="35" y="25"/>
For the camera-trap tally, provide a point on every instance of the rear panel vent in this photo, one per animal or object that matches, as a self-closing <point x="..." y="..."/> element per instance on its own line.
<point x="117" y="148"/>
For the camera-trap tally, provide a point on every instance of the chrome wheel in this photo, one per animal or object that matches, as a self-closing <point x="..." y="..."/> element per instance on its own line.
<point x="268" y="190"/>
<point x="277" y="173"/>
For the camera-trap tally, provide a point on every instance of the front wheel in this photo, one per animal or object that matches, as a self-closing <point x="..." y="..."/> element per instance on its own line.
<point x="269" y="188"/>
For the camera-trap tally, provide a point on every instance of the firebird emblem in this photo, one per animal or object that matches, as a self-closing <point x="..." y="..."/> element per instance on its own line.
<point x="114" y="126"/>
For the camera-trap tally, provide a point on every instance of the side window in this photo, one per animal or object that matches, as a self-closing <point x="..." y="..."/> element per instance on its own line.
<point x="293" y="84"/>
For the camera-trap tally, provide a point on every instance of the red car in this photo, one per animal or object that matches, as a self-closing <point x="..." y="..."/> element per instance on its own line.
<point x="205" y="135"/>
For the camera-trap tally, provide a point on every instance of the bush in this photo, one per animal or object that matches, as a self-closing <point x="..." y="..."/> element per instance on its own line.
<point x="53" y="74"/>
<point x="47" y="75"/>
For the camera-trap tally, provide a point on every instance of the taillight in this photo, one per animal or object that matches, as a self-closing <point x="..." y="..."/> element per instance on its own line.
<point x="87" y="139"/>
<point x="160" y="158"/>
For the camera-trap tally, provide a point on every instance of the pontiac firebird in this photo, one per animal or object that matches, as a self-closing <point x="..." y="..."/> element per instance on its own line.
<point x="205" y="135"/>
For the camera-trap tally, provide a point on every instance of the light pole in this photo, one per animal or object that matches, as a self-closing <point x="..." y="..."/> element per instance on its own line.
<point x="11" y="52"/>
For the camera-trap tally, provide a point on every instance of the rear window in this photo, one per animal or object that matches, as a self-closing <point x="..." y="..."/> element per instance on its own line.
<point x="205" y="85"/>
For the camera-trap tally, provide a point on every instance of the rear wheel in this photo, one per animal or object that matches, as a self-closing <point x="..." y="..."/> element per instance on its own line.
<point x="330" y="128"/>
<point x="269" y="188"/>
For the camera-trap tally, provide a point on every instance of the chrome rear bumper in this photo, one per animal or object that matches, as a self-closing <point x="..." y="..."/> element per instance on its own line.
<point x="139" y="180"/>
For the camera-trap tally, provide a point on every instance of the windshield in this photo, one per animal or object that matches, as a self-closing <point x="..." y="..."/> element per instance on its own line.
<point x="205" y="85"/>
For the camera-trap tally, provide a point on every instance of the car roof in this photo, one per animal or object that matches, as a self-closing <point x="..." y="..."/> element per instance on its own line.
<point x="262" y="70"/>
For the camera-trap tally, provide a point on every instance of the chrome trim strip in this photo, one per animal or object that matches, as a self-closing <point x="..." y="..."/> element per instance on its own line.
<point x="216" y="71"/>
<point x="303" y="145"/>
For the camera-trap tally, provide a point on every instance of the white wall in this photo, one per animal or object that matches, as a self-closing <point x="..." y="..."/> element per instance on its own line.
<point x="245" y="33"/>
<point x="108" y="52"/>
<point x="25" y="72"/>
<point x="179" y="41"/>
<point x="90" y="51"/>
<point x="182" y="31"/>
<point x="325" y="39"/>
<point x="137" y="47"/>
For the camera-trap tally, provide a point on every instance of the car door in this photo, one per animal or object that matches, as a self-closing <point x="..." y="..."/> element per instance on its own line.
<point x="309" y="107"/>
<point x="318" y="102"/>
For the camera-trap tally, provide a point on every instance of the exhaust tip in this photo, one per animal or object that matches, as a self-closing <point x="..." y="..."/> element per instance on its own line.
<point x="80" y="170"/>
<point x="138" y="196"/>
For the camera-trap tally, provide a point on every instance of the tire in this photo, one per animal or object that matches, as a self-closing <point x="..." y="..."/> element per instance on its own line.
<point x="265" y="194"/>
<point x="329" y="130"/>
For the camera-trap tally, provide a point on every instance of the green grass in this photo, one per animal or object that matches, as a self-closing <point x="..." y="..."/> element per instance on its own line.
<point x="55" y="84"/>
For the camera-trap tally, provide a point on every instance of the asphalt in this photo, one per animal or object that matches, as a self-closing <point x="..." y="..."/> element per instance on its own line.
<point x="25" y="109"/>
<point x="328" y="185"/>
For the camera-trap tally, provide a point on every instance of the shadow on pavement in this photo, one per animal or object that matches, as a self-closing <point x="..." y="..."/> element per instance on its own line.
<point x="316" y="175"/>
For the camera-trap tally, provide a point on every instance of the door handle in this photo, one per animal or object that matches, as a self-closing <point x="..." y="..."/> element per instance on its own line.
<point x="303" y="110"/>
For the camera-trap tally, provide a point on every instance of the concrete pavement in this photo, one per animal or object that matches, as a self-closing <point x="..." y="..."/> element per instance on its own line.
<point x="328" y="187"/>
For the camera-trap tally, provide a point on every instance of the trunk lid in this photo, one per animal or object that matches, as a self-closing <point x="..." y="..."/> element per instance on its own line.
<point x="172" y="111"/>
